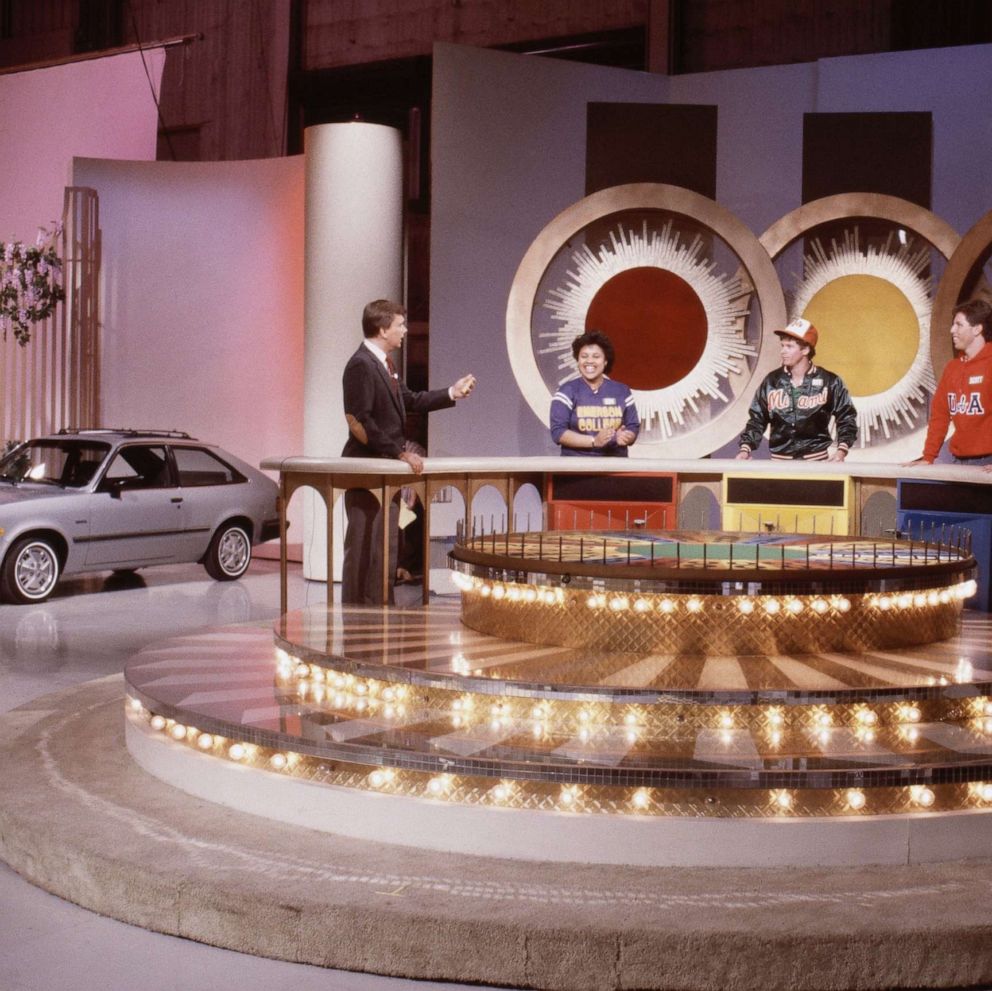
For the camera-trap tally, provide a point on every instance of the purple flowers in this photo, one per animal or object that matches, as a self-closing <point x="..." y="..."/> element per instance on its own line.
<point x="30" y="285"/>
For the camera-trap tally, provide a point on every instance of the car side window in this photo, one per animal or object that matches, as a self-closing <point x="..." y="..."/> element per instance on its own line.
<point x="139" y="467"/>
<point x="199" y="467"/>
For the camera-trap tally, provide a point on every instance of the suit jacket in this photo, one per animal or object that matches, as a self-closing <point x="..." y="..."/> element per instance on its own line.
<point x="381" y="410"/>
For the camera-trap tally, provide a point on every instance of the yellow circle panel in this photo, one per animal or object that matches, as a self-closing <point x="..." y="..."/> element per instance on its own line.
<point x="869" y="332"/>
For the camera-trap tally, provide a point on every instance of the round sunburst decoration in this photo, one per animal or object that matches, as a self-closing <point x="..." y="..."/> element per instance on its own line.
<point x="872" y="307"/>
<point x="721" y="298"/>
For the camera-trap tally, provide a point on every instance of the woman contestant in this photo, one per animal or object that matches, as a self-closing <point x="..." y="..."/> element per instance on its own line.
<point x="592" y="414"/>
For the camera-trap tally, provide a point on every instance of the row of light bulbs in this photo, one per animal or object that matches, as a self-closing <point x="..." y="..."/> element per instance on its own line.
<point x="771" y="605"/>
<point x="348" y="691"/>
<point x="440" y="786"/>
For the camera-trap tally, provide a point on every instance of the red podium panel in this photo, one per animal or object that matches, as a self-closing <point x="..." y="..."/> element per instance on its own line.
<point x="639" y="500"/>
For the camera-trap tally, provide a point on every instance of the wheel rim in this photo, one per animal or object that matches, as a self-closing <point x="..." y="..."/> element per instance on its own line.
<point x="36" y="571"/>
<point x="233" y="551"/>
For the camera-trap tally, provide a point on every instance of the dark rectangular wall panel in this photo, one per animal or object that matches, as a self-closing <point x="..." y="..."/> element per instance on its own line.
<point x="888" y="153"/>
<point x="651" y="142"/>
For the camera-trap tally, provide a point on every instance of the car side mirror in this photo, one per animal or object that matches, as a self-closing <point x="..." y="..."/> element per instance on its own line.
<point x="113" y="486"/>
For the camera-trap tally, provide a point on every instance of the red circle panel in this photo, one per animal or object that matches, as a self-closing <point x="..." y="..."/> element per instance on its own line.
<point x="656" y="322"/>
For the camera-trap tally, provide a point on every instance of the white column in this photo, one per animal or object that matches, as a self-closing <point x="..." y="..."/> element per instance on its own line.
<point x="354" y="253"/>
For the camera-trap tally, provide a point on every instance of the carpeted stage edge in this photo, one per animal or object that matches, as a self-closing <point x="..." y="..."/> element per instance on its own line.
<point x="80" y="819"/>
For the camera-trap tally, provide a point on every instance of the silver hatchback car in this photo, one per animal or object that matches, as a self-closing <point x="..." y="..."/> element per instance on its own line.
<point x="95" y="500"/>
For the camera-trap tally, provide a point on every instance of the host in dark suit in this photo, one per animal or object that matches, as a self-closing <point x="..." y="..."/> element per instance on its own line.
<point x="376" y="402"/>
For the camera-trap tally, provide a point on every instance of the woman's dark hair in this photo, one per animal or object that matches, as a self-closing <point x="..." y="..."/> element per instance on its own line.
<point x="598" y="338"/>
<point x="977" y="312"/>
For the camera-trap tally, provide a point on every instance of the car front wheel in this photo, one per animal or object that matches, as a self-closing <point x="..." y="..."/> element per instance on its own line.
<point x="30" y="571"/>
<point x="229" y="553"/>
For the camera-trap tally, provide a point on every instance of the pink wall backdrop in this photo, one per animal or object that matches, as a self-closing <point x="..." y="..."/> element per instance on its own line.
<point x="203" y="299"/>
<point x="101" y="108"/>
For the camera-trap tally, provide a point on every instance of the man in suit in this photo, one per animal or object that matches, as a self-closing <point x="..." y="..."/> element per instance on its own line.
<point x="376" y="402"/>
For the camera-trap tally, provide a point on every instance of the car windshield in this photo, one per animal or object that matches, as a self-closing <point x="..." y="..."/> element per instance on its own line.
<point x="71" y="463"/>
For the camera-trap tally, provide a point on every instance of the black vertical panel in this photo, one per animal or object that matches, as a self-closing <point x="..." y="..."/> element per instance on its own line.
<point x="651" y="142"/>
<point x="888" y="153"/>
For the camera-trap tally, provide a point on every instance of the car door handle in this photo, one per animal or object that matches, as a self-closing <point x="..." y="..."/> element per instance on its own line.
<point x="176" y="499"/>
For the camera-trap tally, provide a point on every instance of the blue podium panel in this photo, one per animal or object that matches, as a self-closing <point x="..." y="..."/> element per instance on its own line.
<point x="923" y="505"/>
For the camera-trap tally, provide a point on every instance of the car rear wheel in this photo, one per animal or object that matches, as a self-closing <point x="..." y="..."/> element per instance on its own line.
<point x="30" y="571"/>
<point x="229" y="553"/>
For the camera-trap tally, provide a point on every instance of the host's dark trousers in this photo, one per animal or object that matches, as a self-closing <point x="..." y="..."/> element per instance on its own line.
<point x="361" y="575"/>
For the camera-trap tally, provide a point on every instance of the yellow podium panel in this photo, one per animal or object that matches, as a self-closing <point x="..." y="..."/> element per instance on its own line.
<point x="789" y="503"/>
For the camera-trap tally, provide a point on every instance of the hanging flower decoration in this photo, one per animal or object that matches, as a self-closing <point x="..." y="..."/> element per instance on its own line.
<point x="30" y="283"/>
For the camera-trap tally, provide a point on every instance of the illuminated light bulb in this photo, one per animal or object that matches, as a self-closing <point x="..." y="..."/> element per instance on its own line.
<point x="783" y="800"/>
<point x="569" y="795"/>
<point x="631" y="736"/>
<point x="584" y="735"/>
<point x="389" y="712"/>
<point x="667" y="606"/>
<point x="537" y="712"/>
<point x="361" y="705"/>
<point x="437" y="785"/>
<point x="904" y="601"/>
<point x="911" y="714"/>
<point x="944" y="596"/>
<point x="819" y="606"/>
<point x="584" y="716"/>
<point x="317" y="674"/>
<point x="943" y="680"/>
<point x="775" y="717"/>
<point x="868" y="736"/>
<point x="726" y="737"/>
<point x="843" y="605"/>
<point x="885" y="603"/>
<point x="824" y="719"/>
<point x="157" y="722"/>
<point x="548" y="597"/>
<point x="361" y="689"/>
<point x="726" y="720"/>
<point x="641" y="798"/>
<point x="630" y="719"/>
<point x="530" y="595"/>
<point x="795" y="607"/>
<point x="619" y="604"/>
<point x="495" y="724"/>
<point x="134" y="705"/>
<point x="694" y="604"/>
<point x="593" y="602"/>
<point x="513" y="594"/>
<point x="485" y="591"/>
<point x="856" y="799"/>
<point x="772" y="606"/>
<point x="867" y="717"/>
<point x="278" y="761"/>
<point x="302" y="671"/>
<point x="775" y="737"/>
<point x="178" y="732"/>
<point x="498" y="592"/>
<point x="377" y="778"/>
<point x="538" y="731"/>
<point x="642" y="606"/>
<point x="746" y="606"/>
<point x="984" y="791"/>
<point x="987" y="724"/>
<point x="988" y="707"/>
<point x="205" y="741"/>
<point x="823" y="736"/>
<point x="502" y="791"/>
<point x="236" y="752"/>
<point x="911" y="733"/>
<point x="933" y="599"/>
<point x="919" y="600"/>
<point x="921" y="795"/>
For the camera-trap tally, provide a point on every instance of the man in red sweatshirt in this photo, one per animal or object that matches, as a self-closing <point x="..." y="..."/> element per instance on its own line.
<point x="964" y="392"/>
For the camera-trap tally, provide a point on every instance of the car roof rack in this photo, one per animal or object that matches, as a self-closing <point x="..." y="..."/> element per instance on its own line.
<point x="128" y="432"/>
